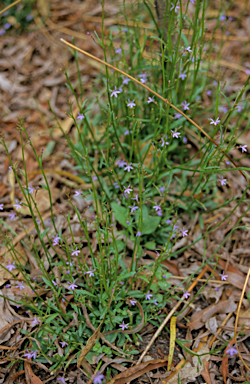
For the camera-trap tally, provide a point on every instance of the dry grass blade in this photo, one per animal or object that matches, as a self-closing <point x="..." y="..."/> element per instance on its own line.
<point x="9" y="6"/>
<point x="156" y="94"/>
<point x="136" y="371"/>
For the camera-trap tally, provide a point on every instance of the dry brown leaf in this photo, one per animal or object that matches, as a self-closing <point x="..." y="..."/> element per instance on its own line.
<point x="244" y="318"/>
<point x="21" y="257"/>
<point x="30" y="377"/>
<point x="137" y="371"/>
<point x="90" y="343"/>
<point x="199" y="318"/>
<point x="205" y="374"/>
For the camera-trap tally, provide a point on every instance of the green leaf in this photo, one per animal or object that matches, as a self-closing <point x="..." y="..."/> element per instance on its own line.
<point x="120" y="212"/>
<point x="150" y="224"/>
<point x="150" y="245"/>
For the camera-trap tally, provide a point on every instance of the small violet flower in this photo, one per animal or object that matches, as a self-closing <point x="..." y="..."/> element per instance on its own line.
<point x="98" y="378"/>
<point x="10" y="266"/>
<point x="133" y="208"/>
<point x="186" y="295"/>
<point x="35" y="321"/>
<point x="72" y="286"/>
<point x="114" y="92"/>
<point x="128" y="167"/>
<point x="56" y="240"/>
<point x="75" y="252"/>
<point x="128" y="190"/>
<point x="138" y="234"/>
<point x="184" y="232"/>
<point x="17" y="205"/>
<point x="182" y="76"/>
<point x="175" y="7"/>
<point x="63" y="343"/>
<point x="123" y="326"/>
<point x="62" y="379"/>
<point x="133" y="302"/>
<point x="148" y="295"/>
<point x="150" y="100"/>
<point x="215" y="122"/>
<point x="175" y="133"/>
<point x="12" y="215"/>
<point x="125" y="81"/>
<point x="20" y="285"/>
<point x="78" y="193"/>
<point x="131" y="104"/>
<point x="222" y="181"/>
<point x="185" y="105"/>
<point x="80" y="116"/>
<point x="243" y="148"/>
<point x="90" y="273"/>
<point x="223" y="276"/>
<point x="231" y="351"/>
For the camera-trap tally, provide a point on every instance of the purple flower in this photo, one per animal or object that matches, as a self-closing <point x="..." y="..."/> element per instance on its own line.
<point x="177" y="115"/>
<point x="159" y="213"/>
<point x="186" y="295"/>
<point x="133" y="208"/>
<point x="184" y="140"/>
<point x="223" y="18"/>
<point x="126" y="80"/>
<point x="231" y="351"/>
<point x="56" y="239"/>
<point x="78" y="193"/>
<point x="157" y="207"/>
<point x="62" y="379"/>
<point x="175" y="7"/>
<point x="247" y="71"/>
<point x="80" y="116"/>
<point x="90" y="273"/>
<point x="223" y="276"/>
<point x="131" y="104"/>
<point x="148" y="295"/>
<point x="12" y="215"/>
<point x="175" y="133"/>
<point x="19" y="285"/>
<point x="7" y="26"/>
<point x="72" y="286"/>
<point x="182" y="76"/>
<point x="2" y="32"/>
<point x="114" y="92"/>
<point x="28" y="354"/>
<point x="123" y="326"/>
<point x="185" y="105"/>
<point x="135" y="198"/>
<point x="162" y="189"/>
<point x="184" y="232"/>
<point x="133" y="302"/>
<point x="118" y="50"/>
<point x="10" y="266"/>
<point x="192" y="1"/>
<point x="138" y="234"/>
<point x="239" y="108"/>
<point x="128" y="190"/>
<point x="35" y="321"/>
<point x="155" y="301"/>
<point x="243" y="148"/>
<point x="209" y="93"/>
<point x="163" y="140"/>
<point x="1" y="207"/>
<point x="128" y="167"/>
<point x="31" y="189"/>
<point x="189" y="49"/>
<point x="54" y="283"/>
<point x="75" y="252"/>
<point x="222" y="181"/>
<point x="63" y="343"/>
<point x="17" y="205"/>
<point x="29" y="17"/>
<point x="168" y="221"/>
<point x="215" y="122"/>
<point x="97" y="378"/>
<point x="34" y="354"/>
<point x="143" y="77"/>
<point x="150" y="100"/>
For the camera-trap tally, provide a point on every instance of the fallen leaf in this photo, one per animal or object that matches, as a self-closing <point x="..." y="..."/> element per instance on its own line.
<point x="20" y="258"/>
<point x="137" y="371"/>
<point x="199" y="318"/>
<point x="90" y="343"/>
<point x="30" y="377"/>
<point x="205" y="374"/>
